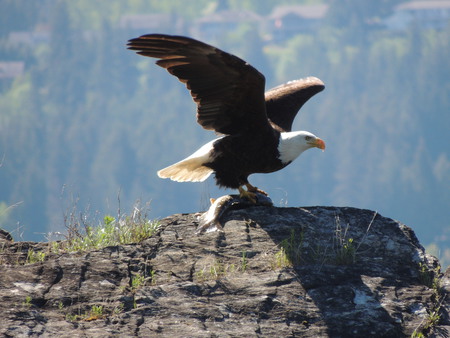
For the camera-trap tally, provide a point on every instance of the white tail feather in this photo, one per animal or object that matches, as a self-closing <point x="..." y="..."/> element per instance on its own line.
<point x="190" y="169"/>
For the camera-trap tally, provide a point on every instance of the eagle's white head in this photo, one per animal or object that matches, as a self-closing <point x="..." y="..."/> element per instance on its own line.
<point x="293" y="143"/>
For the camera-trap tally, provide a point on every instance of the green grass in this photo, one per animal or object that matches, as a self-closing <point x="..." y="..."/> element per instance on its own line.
<point x="281" y="259"/>
<point x="34" y="256"/>
<point x="290" y="251"/>
<point x="244" y="261"/>
<point x="430" y="277"/>
<point x="94" y="313"/>
<point x="428" y="324"/>
<point x="345" y="252"/>
<point x="340" y="250"/>
<point x="111" y="231"/>
<point x="137" y="281"/>
<point x="82" y="235"/>
<point x="27" y="303"/>
<point x="344" y="249"/>
<point x="216" y="269"/>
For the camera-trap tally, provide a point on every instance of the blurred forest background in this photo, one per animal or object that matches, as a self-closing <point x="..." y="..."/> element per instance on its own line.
<point x="85" y="123"/>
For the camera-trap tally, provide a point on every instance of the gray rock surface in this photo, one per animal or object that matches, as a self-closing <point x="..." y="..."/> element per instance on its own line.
<point x="273" y="272"/>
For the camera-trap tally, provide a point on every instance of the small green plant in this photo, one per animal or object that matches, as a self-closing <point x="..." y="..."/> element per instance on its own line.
<point x="430" y="277"/>
<point x="290" y="251"/>
<point x="118" y="309"/>
<point x="281" y="259"/>
<point x="217" y="269"/>
<point x="345" y="252"/>
<point x="27" y="302"/>
<point x="344" y="248"/>
<point x="108" y="221"/>
<point x="34" y="256"/>
<point x="70" y="317"/>
<point x="201" y="275"/>
<point x="427" y="326"/>
<point x="96" y="312"/>
<point x="55" y="247"/>
<point x="244" y="261"/>
<point x="137" y="281"/>
<point x="153" y="277"/>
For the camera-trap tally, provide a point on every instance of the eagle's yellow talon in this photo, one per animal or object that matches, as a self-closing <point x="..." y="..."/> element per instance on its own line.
<point x="251" y="196"/>
<point x="255" y="190"/>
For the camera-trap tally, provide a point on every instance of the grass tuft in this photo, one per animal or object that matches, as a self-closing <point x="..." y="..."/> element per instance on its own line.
<point x="34" y="256"/>
<point x="343" y="247"/>
<point x="216" y="269"/>
<point x="244" y="261"/>
<point x="111" y="231"/>
<point x="94" y="313"/>
<point x="290" y="251"/>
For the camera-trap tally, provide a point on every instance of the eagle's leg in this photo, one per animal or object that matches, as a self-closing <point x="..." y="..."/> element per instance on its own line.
<point x="251" y="196"/>
<point x="253" y="189"/>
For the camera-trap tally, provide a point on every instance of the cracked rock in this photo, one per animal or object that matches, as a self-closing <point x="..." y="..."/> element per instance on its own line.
<point x="281" y="272"/>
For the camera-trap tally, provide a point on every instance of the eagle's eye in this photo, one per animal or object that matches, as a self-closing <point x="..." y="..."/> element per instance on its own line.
<point x="308" y="138"/>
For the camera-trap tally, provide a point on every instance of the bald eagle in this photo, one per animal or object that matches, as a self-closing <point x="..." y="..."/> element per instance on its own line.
<point x="229" y="93"/>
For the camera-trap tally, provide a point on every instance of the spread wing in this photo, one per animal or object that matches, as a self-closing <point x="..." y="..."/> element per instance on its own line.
<point x="228" y="91"/>
<point x="283" y="102"/>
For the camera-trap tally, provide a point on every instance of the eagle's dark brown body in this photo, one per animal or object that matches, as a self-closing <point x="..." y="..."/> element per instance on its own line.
<point x="238" y="156"/>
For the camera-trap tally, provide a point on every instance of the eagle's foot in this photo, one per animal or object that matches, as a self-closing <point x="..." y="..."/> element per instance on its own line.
<point x="254" y="190"/>
<point x="251" y="196"/>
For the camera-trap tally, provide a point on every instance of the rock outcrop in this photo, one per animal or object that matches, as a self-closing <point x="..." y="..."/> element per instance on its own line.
<point x="273" y="272"/>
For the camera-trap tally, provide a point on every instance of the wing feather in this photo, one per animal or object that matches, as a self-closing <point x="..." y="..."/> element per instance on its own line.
<point x="283" y="102"/>
<point x="228" y="91"/>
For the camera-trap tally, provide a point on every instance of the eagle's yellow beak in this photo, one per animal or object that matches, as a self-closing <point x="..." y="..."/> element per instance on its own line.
<point x="319" y="143"/>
